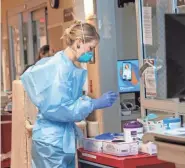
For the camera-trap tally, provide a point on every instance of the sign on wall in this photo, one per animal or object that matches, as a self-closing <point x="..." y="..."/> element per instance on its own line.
<point x="68" y="14"/>
<point x="147" y="26"/>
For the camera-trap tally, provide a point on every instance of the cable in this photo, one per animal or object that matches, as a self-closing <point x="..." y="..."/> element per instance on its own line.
<point x="129" y="106"/>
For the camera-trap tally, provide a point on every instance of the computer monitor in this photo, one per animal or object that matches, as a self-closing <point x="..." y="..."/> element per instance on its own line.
<point x="128" y="76"/>
<point x="175" y="54"/>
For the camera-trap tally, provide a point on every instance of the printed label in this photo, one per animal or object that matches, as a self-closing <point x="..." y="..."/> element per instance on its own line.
<point x="89" y="155"/>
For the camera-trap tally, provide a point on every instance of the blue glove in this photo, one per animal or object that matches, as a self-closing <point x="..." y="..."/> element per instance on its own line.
<point x="106" y="100"/>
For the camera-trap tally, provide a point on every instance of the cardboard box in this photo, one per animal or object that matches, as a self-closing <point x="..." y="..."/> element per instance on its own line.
<point x="149" y="148"/>
<point x="120" y="148"/>
<point x="152" y="125"/>
<point x="83" y="126"/>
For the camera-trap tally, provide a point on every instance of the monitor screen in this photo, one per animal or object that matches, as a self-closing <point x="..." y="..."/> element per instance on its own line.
<point x="128" y="76"/>
<point x="175" y="54"/>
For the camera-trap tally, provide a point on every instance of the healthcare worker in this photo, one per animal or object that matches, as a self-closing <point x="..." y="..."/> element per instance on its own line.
<point x="55" y="86"/>
<point x="44" y="52"/>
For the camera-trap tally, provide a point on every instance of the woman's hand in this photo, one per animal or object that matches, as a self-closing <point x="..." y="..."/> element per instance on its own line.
<point x="29" y="128"/>
<point x="106" y="100"/>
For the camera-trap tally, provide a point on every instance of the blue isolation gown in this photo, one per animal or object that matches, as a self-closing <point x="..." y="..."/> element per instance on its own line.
<point x="55" y="85"/>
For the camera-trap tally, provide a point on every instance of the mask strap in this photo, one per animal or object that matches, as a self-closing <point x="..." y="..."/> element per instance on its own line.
<point x="83" y="32"/>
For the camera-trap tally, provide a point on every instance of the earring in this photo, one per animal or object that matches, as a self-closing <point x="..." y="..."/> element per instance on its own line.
<point x="78" y="46"/>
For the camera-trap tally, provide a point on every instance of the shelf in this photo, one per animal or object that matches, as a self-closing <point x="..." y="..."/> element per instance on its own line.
<point x="170" y="106"/>
<point x="133" y="116"/>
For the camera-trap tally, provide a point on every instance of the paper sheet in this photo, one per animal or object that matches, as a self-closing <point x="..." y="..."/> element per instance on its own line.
<point x="147" y="26"/>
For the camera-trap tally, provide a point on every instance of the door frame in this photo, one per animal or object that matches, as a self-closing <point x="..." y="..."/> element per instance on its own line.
<point x="27" y="7"/>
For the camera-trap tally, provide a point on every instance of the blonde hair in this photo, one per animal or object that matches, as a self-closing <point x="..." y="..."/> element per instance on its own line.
<point x="84" y="31"/>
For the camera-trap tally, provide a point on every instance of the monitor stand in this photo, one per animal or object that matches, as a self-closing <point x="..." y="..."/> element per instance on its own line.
<point x="181" y="94"/>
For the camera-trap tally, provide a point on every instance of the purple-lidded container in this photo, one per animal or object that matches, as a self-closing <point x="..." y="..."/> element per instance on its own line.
<point x="133" y="131"/>
<point x="133" y="124"/>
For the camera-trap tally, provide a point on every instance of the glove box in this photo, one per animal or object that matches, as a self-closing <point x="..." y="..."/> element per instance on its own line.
<point x="120" y="148"/>
<point x="92" y="145"/>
